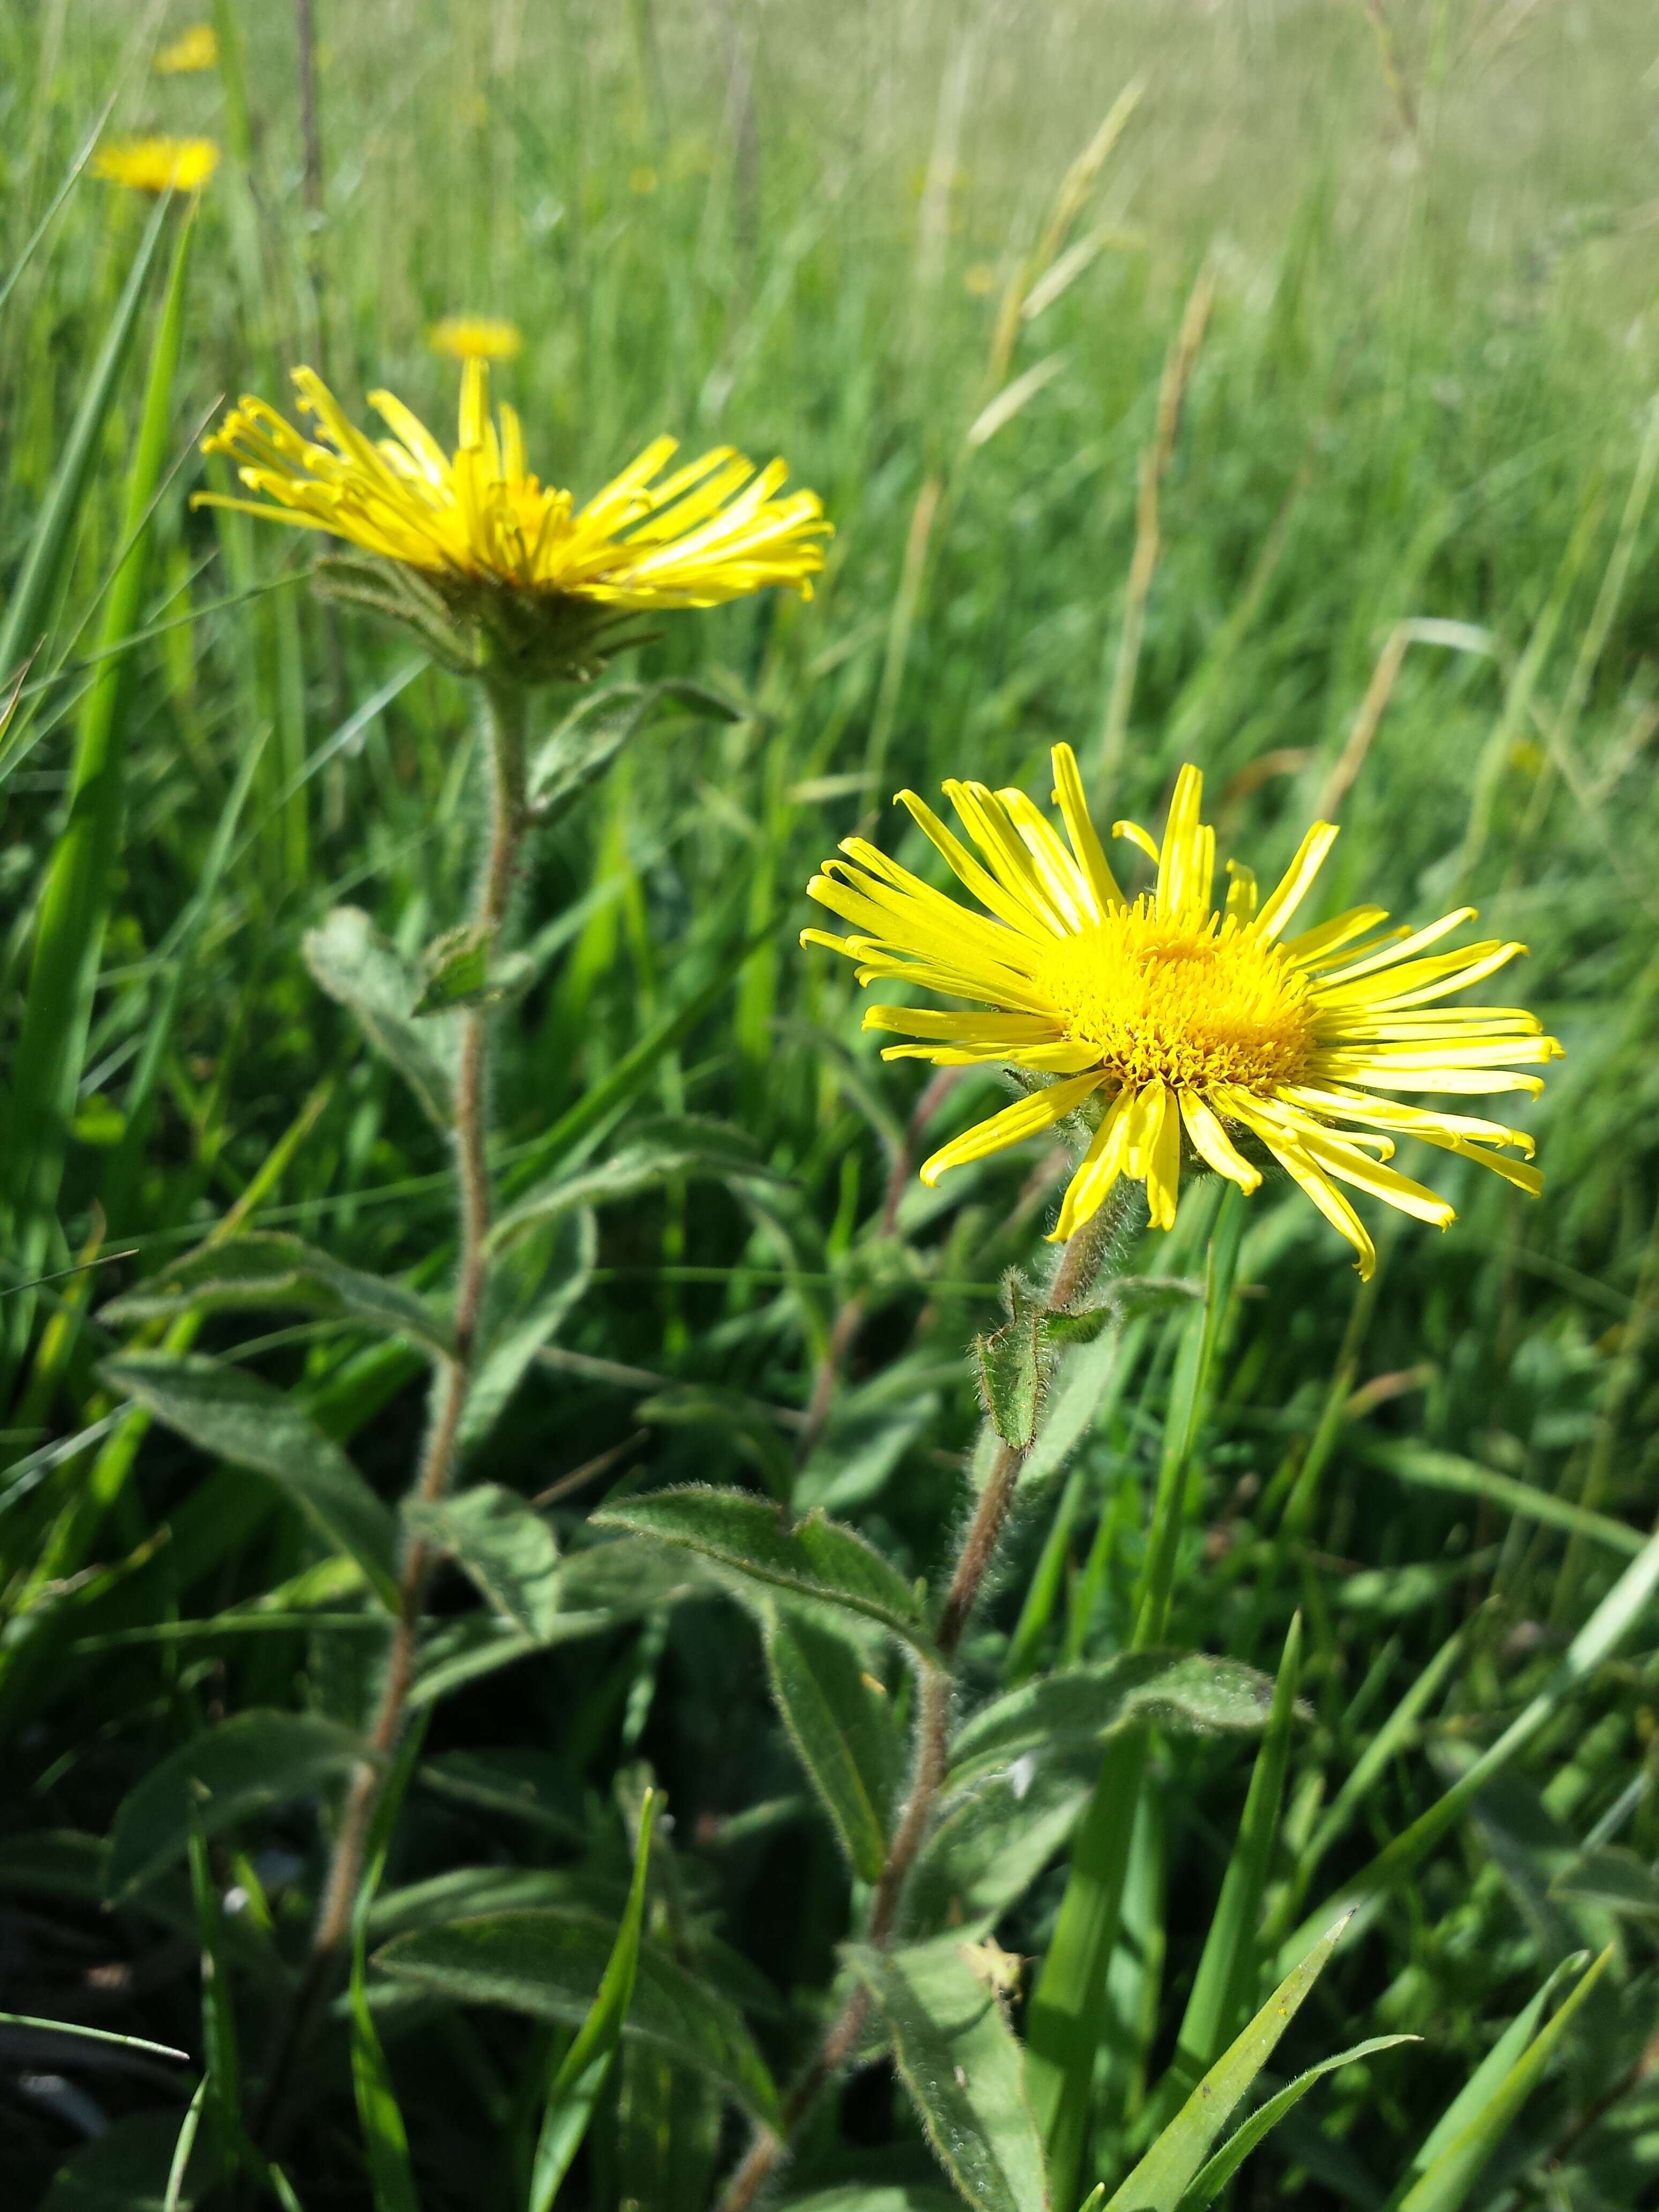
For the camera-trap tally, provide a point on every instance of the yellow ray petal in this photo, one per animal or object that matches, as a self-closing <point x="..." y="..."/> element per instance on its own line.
<point x="1026" y="1117"/>
<point x="1214" y="1147"/>
<point x="1296" y="881"/>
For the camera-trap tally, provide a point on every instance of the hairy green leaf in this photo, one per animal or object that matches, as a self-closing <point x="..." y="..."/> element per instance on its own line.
<point x="271" y="1270"/>
<point x="240" y="1418"/>
<point x="367" y="973"/>
<point x="505" y="1548"/>
<point x="550" y="1965"/>
<point x="840" y="1722"/>
<point x="1186" y="1691"/>
<point x="961" y="2064"/>
<point x="245" y="1766"/>
<point x="753" y="1544"/>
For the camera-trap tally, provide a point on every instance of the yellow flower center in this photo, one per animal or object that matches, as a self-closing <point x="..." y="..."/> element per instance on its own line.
<point x="1188" y="1003"/>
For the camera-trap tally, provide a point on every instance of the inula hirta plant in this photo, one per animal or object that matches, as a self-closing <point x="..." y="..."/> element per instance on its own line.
<point x="540" y="576"/>
<point x="158" y="165"/>
<point x="1171" y="1017"/>
<point x="476" y="337"/>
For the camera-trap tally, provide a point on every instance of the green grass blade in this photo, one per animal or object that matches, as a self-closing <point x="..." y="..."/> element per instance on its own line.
<point x="48" y="547"/>
<point x="1482" y="2084"/>
<point x="1064" y="2022"/>
<point x="1606" y="1629"/>
<point x="182" y="2149"/>
<point x="575" y="2088"/>
<point x="220" y="2048"/>
<point x="74" y="908"/>
<point x="1221" y="1989"/>
<point x="386" y="2141"/>
<point x="139" y="1107"/>
<point x="1446" y="2185"/>
<point x="93" y="2034"/>
<point x="1169" y="2167"/>
<point x="1215" y="2177"/>
<point x="74" y="169"/>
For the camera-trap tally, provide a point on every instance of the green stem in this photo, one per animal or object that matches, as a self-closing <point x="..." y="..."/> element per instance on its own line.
<point x="1064" y="2018"/>
<point x="1084" y="1257"/>
<point x="453" y="1382"/>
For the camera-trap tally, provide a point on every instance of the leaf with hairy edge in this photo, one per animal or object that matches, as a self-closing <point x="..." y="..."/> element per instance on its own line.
<point x="840" y="1722"/>
<point x="1188" y="1691"/>
<point x="660" y="1150"/>
<point x="992" y="1837"/>
<point x="237" y="1417"/>
<point x="1237" y="2148"/>
<point x="270" y="1270"/>
<point x="575" y="2088"/>
<point x="504" y="1547"/>
<point x="1169" y="2167"/>
<point x="1011" y="1370"/>
<point x="550" y="1965"/>
<point x="749" y="1541"/>
<point x="963" y="2066"/>
<point x="368" y="975"/>
<point x="531" y="1290"/>
<point x="861" y="2196"/>
<point x="595" y="730"/>
<point x="246" y="1766"/>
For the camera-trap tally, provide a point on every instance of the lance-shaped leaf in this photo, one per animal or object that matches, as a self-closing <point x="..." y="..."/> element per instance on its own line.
<point x="367" y="973"/>
<point x="248" y="1766"/>
<point x="269" y="1270"/>
<point x="669" y="1147"/>
<point x="755" y="1546"/>
<point x="1011" y="1362"/>
<point x="1186" y="1691"/>
<point x="595" y="730"/>
<point x="504" y="1548"/>
<point x="531" y="1290"/>
<point x="840" y="1722"/>
<point x="962" y="2067"/>
<point x="1171" y="2166"/>
<point x="240" y="1418"/>
<point x="550" y="1965"/>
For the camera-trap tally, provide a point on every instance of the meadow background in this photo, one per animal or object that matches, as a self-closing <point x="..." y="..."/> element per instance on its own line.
<point x="1422" y="395"/>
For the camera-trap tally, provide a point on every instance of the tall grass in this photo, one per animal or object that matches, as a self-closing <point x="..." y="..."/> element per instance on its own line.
<point x="1402" y="567"/>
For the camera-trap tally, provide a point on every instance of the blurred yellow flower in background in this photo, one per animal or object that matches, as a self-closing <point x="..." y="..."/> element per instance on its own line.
<point x="642" y="181"/>
<point x="1179" y="1019"/>
<point x="197" y="48"/>
<point x="713" y="529"/>
<point x="476" y="337"/>
<point x="157" y="165"/>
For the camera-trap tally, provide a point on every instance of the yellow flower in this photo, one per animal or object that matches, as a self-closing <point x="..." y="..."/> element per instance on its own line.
<point x="1168" y="1019"/>
<point x="642" y="181"/>
<point x="480" y="337"/>
<point x="711" y="530"/>
<point x="158" y="165"/>
<point x="195" y="49"/>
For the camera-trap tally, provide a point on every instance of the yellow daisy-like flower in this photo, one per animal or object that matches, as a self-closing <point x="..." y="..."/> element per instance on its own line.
<point x="476" y="337"/>
<point x="197" y="48"/>
<point x="711" y="530"/>
<point x="1178" y="1019"/>
<point x="158" y="165"/>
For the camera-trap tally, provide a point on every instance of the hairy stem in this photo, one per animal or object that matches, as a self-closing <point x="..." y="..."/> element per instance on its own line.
<point x="453" y="1381"/>
<point x="1081" y="1262"/>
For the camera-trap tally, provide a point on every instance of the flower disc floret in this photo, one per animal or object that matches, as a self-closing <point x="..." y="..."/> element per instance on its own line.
<point x="1173" y="1022"/>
